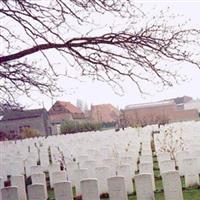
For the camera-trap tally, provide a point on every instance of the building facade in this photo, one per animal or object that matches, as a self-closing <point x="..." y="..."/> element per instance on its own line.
<point x="104" y="113"/>
<point x="157" y="113"/>
<point x="194" y="104"/>
<point x="62" y="111"/>
<point x="13" y="122"/>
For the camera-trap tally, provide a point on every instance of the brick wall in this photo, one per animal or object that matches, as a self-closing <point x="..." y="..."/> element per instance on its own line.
<point x="157" y="114"/>
<point x="184" y="115"/>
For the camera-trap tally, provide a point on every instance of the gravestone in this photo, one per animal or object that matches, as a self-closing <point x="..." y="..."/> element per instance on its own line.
<point x="117" y="188"/>
<point x="9" y="193"/>
<point x="124" y="170"/>
<point x="102" y="174"/>
<point x="144" y="187"/>
<point x="60" y="176"/>
<point x="172" y="185"/>
<point x="19" y="182"/>
<point x="78" y="175"/>
<point x="36" y="192"/>
<point x="63" y="191"/>
<point x="128" y="160"/>
<point x="39" y="179"/>
<point x="89" y="189"/>
<point x="37" y="169"/>
<point x="180" y="156"/>
<point x="146" y="159"/>
<point x="1" y="186"/>
<point x="191" y="172"/>
<point x="147" y="168"/>
<point x="53" y="168"/>
<point x="163" y="156"/>
<point x="90" y="165"/>
<point x="71" y="166"/>
<point x="112" y="165"/>
<point x="1" y="182"/>
<point x="167" y="165"/>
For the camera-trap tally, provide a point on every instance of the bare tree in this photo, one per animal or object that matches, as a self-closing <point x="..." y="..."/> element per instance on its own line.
<point x="6" y="106"/>
<point x="32" y="31"/>
<point x="171" y="141"/>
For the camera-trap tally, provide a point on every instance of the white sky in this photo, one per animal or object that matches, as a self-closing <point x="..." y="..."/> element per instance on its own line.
<point x="97" y="92"/>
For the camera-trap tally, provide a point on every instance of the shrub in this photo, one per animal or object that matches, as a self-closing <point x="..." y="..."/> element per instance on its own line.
<point x="75" y="127"/>
<point x="29" y="133"/>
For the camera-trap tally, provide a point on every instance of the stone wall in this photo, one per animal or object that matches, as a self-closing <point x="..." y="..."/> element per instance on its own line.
<point x="37" y="123"/>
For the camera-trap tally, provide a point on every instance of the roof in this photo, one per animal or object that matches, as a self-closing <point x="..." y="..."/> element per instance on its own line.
<point x="62" y="110"/>
<point x="182" y="100"/>
<point x="147" y="105"/>
<point x="104" y="113"/>
<point x="57" y="118"/>
<point x="65" y="106"/>
<point x="21" y="114"/>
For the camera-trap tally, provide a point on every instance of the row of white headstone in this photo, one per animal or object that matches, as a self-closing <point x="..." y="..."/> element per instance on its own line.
<point x="184" y="146"/>
<point x="99" y="150"/>
<point x="78" y="149"/>
<point x="89" y="189"/>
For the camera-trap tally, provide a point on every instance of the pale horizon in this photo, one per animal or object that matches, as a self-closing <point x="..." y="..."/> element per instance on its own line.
<point x="93" y="92"/>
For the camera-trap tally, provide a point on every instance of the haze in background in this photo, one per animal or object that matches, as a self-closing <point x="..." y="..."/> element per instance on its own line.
<point x="97" y="92"/>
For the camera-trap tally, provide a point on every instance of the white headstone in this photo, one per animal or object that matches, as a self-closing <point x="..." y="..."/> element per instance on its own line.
<point x="191" y="172"/>
<point x="167" y="165"/>
<point x="102" y="174"/>
<point x="36" y="192"/>
<point x="53" y="168"/>
<point x="163" y="156"/>
<point x="90" y="165"/>
<point x="125" y="171"/>
<point x="112" y="165"/>
<point x="37" y="169"/>
<point x="89" y="189"/>
<point x="128" y="160"/>
<point x="71" y="166"/>
<point x="172" y="185"/>
<point x="180" y="156"/>
<point x="144" y="187"/>
<point x="1" y="186"/>
<point x="147" y="168"/>
<point x="60" y="176"/>
<point x="146" y="159"/>
<point x="117" y="188"/>
<point x="78" y="175"/>
<point x="9" y="193"/>
<point x="39" y="179"/>
<point x="1" y="182"/>
<point x="63" y="191"/>
<point x="19" y="182"/>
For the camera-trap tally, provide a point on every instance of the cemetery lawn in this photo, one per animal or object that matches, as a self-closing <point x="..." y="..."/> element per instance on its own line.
<point x="188" y="193"/>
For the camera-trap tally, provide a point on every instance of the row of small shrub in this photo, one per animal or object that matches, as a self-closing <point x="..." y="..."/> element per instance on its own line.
<point x="79" y="126"/>
<point x="26" y="133"/>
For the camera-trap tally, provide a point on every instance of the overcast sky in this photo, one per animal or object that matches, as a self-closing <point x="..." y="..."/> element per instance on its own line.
<point x="98" y="93"/>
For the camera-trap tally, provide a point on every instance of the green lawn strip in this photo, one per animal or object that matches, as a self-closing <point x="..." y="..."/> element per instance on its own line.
<point x="51" y="194"/>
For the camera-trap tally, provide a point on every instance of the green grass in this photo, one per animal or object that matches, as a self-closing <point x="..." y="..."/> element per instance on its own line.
<point x="51" y="194"/>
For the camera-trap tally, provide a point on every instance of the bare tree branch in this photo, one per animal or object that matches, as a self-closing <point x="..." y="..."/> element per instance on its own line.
<point x="132" y="51"/>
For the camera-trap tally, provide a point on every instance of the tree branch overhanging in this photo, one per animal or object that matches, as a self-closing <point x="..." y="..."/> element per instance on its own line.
<point x="133" y="52"/>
